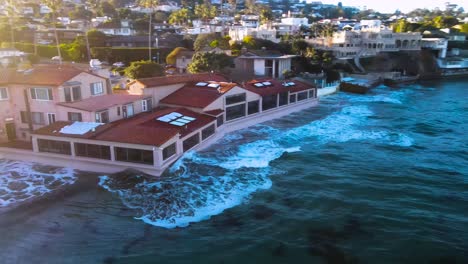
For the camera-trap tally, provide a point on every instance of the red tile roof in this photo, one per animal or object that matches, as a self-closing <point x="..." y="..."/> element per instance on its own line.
<point x="175" y="79"/>
<point x="195" y="96"/>
<point x="142" y="129"/>
<point x="50" y="74"/>
<point x="102" y="102"/>
<point x="215" y="112"/>
<point x="276" y="87"/>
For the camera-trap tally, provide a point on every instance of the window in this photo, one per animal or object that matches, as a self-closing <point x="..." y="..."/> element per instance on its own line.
<point x="292" y="98"/>
<point x="233" y="99"/>
<point x="118" y="110"/>
<point x="134" y="155"/>
<point x="92" y="151"/>
<point x="72" y="93"/>
<point x="24" y="117"/>
<point x="283" y="98"/>
<point x="37" y="118"/>
<point x="127" y="110"/>
<point x="96" y="88"/>
<point x="208" y="132"/>
<point x="219" y="120"/>
<point x="269" y="102"/>
<point x="102" y="117"/>
<point x="191" y="142"/>
<point x="43" y="94"/>
<point x="146" y="105"/>
<point x="169" y="151"/>
<point x="253" y="107"/>
<point x="3" y="93"/>
<point x="54" y="146"/>
<point x="235" y="111"/>
<point x="311" y="94"/>
<point x="50" y="118"/>
<point x="301" y="96"/>
<point x="74" y="116"/>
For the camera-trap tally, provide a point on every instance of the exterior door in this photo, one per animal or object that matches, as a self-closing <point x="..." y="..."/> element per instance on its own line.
<point x="11" y="131"/>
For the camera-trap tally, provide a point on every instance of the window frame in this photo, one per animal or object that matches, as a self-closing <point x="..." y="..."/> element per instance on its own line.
<point x="93" y="87"/>
<point x="6" y="93"/>
<point x="49" y="93"/>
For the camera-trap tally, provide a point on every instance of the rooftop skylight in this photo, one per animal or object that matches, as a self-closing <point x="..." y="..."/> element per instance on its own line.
<point x="266" y="83"/>
<point x="201" y="84"/>
<point x="259" y="84"/>
<point x="79" y="128"/>
<point x="176" y="119"/>
<point x="213" y="85"/>
<point x="287" y="84"/>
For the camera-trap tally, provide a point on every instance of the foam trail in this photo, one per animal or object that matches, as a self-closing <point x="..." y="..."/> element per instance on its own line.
<point x="203" y="184"/>
<point x="21" y="181"/>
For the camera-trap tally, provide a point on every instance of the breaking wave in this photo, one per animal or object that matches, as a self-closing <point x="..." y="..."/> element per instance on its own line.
<point x="203" y="184"/>
<point x="20" y="181"/>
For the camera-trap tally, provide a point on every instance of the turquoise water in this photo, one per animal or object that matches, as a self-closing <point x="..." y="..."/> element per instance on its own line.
<point x="380" y="178"/>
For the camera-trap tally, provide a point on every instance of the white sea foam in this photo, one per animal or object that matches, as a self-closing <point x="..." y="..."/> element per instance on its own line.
<point x="20" y="181"/>
<point x="207" y="183"/>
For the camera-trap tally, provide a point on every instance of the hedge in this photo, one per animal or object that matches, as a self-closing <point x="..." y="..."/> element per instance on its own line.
<point x="127" y="55"/>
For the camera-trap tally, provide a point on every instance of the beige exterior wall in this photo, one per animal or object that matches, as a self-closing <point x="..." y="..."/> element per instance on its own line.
<point x="161" y="91"/>
<point x="85" y="80"/>
<point x="18" y="103"/>
<point x="220" y="103"/>
<point x="7" y="115"/>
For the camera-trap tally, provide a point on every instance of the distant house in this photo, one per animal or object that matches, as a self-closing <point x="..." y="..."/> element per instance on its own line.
<point x="263" y="63"/>
<point x="47" y="36"/>
<point x="216" y="50"/>
<point x="183" y="59"/>
<point x="114" y="28"/>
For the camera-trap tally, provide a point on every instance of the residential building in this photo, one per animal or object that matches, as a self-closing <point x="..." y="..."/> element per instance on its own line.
<point x="122" y="28"/>
<point x="369" y="40"/>
<point x="263" y="63"/>
<point x="183" y="59"/>
<point x="192" y="117"/>
<point x="69" y="94"/>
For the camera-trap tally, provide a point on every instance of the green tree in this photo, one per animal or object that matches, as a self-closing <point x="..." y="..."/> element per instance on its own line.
<point x="108" y="9"/>
<point x="96" y="38"/>
<point x="249" y="42"/>
<point x="179" y="17"/>
<point x="203" y="40"/>
<point x="206" y="62"/>
<point x="144" y="69"/>
<point x="171" y="57"/>
<point x="205" y="11"/>
<point x="80" y="12"/>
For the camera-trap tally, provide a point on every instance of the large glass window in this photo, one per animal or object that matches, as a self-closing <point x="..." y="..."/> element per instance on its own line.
<point x="44" y="94"/>
<point x="302" y="96"/>
<point x="102" y="117"/>
<point x="292" y="98"/>
<point x="92" y="151"/>
<point x="97" y="88"/>
<point x="283" y="98"/>
<point x="134" y="155"/>
<point x="312" y="93"/>
<point x="219" y="120"/>
<point x="169" y="151"/>
<point x="253" y="107"/>
<point x="191" y="142"/>
<point x="3" y="93"/>
<point x="74" y="116"/>
<point x="269" y="102"/>
<point x="236" y="98"/>
<point x="54" y="146"/>
<point x="127" y="110"/>
<point x="208" y="132"/>
<point x="72" y="93"/>
<point x="235" y="111"/>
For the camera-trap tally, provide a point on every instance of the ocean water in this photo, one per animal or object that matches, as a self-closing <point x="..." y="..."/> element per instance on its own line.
<point x="379" y="178"/>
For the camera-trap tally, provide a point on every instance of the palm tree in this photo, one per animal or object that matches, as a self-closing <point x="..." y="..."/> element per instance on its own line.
<point x="94" y="6"/>
<point x="150" y="4"/>
<point x="55" y="6"/>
